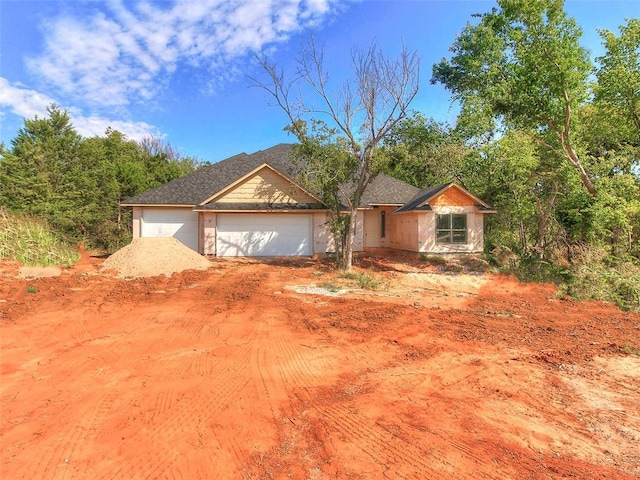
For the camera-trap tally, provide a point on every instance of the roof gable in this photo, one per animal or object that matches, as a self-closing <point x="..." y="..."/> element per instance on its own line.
<point x="263" y="185"/>
<point x="452" y="195"/>
<point x="449" y="194"/>
<point x="197" y="187"/>
<point x="191" y="189"/>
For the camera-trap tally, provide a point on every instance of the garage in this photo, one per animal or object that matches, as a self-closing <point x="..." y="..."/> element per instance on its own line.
<point x="181" y="223"/>
<point x="263" y="235"/>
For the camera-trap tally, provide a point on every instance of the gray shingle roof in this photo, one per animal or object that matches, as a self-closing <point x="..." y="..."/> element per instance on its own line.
<point x="420" y="197"/>
<point x="195" y="188"/>
<point x="386" y="190"/>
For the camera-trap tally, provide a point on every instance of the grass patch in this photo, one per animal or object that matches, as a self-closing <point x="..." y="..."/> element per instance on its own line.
<point x="630" y="350"/>
<point x="31" y="289"/>
<point x="433" y="259"/>
<point x="32" y="242"/>
<point x="453" y="267"/>
<point x="330" y="287"/>
<point x="365" y="281"/>
<point x="474" y="264"/>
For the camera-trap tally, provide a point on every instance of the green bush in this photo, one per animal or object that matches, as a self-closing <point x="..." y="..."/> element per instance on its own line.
<point x="593" y="274"/>
<point x="434" y="259"/>
<point x="31" y="242"/>
<point x="598" y="275"/>
<point x="365" y="281"/>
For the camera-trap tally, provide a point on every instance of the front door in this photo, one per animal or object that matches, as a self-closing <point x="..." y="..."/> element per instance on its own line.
<point x="372" y="228"/>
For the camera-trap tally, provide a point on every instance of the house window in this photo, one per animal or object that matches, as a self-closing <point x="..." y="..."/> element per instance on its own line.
<point x="383" y="224"/>
<point x="451" y="228"/>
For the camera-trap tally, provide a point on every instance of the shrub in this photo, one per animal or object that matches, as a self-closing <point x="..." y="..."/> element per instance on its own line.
<point x="434" y="259"/>
<point x="31" y="242"/>
<point x="593" y="274"/>
<point x="598" y="275"/>
<point x="365" y="281"/>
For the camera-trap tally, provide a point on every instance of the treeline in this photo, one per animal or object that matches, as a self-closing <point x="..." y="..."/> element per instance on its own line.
<point x="549" y="138"/>
<point x="76" y="184"/>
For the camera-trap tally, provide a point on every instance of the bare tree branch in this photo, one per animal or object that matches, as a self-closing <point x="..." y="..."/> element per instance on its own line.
<point x="363" y="110"/>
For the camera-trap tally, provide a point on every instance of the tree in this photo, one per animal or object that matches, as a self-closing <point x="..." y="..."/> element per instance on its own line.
<point x="35" y="173"/>
<point x="619" y="74"/>
<point x="423" y="152"/>
<point x="76" y="183"/>
<point x="524" y="63"/>
<point x="352" y="121"/>
<point x="163" y="162"/>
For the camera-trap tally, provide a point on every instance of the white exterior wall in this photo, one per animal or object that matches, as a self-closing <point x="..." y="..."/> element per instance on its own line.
<point x="209" y="233"/>
<point x="322" y="238"/>
<point x="137" y="227"/>
<point x="358" y="239"/>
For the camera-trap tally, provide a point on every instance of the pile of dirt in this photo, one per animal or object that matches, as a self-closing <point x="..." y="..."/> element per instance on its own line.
<point x="150" y="257"/>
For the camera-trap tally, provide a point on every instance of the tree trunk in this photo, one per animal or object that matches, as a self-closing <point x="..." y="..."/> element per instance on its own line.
<point x="571" y="152"/>
<point x="575" y="161"/>
<point x="347" y="258"/>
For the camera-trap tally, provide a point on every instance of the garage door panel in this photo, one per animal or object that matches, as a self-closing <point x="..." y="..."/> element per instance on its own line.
<point x="258" y="235"/>
<point x="181" y="224"/>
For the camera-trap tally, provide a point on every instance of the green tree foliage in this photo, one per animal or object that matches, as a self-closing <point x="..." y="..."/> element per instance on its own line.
<point x="35" y="173"/>
<point x="619" y="75"/>
<point x="423" y="152"/>
<point x="523" y="61"/>
<point x="504" y="173"/>
<point x="325" y="166"/>
<point x="76" y="184"/>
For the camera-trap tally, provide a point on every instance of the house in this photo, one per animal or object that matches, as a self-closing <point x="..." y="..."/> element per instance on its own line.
<point x="250" y="205"/>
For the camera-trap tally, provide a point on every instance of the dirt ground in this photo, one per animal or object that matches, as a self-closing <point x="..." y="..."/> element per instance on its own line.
<point x="246" y="371"/>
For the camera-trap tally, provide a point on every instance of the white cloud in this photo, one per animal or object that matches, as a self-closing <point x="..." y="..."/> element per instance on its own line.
<point x="28" y="103"/>
<point x="127" y="55"/>
<point x="23" y="101"/>
<point x="97" y="126"/>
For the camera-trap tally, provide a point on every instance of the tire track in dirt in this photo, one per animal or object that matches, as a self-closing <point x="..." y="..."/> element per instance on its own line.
<point x="408" y="459"/>
<point x="185" y="420"/>
<point x="80" y="416"/>
<point x="415" y="453"/>
<point x="395" y="457"/>
<point x="175" y="426"/>
<point x="57" y="454"/>
<point x="300" y="378"/>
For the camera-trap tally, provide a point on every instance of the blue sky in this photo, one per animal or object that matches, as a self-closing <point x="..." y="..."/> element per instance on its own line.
<point x="181" y="69"/>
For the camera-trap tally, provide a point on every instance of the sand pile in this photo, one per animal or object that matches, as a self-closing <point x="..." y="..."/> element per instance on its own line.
<point x="150" y="257"/>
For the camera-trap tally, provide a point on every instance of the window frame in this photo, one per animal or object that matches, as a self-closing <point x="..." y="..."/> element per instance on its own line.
<point x="449" y="234"/>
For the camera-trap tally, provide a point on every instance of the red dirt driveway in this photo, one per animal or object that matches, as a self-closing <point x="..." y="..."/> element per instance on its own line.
<point x="233" y="373"/>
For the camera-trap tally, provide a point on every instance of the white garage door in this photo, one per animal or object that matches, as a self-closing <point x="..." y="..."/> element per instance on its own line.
<point x="181" y="223"/>
<point x="263" y="235"/>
